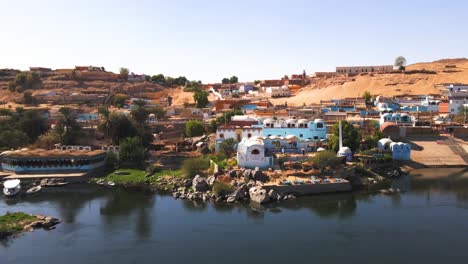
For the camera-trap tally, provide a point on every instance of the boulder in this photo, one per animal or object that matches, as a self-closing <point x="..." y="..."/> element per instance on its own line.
<point x="219" y="199"/>
<point x="231" y="199"/>
<point x="258" y="175"/>
<point x="199" y="184"/>
<point x="211" y="180"/>
<point x="187" y="183"/>
<point x="274" y="196"/>
<point x="259" y="195"/>
<point x="251" y="184"/>
<point x="247" y="175"/>
<point x="233" y="174"/>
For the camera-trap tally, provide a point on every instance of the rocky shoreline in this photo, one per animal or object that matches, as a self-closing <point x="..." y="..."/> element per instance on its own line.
<point x="32" y="222"/>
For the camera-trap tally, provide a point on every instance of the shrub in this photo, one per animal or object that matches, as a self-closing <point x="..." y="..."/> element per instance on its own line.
<point x="222" y="188"/>
<point x="194" y="166"/>
<point x="194" y="128"/>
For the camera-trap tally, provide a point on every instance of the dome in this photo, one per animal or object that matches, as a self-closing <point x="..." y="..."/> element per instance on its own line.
<point x="268" y="121"/>
<point x="385" y="115"/>
<point x="302" y="121"/>
<point x="377" y="99"/>
<point x="318" y="120"/>
<point x="395" y="115"/>
<point x="320" y="149"/>
<point x="290" y="121"/>
<point x="290" y="137"/>
<point x="344" y="151"/>
<point x="274" y="137"/>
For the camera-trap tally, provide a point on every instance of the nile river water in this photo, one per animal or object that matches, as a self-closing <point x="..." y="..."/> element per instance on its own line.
<point x="426" y="224"/>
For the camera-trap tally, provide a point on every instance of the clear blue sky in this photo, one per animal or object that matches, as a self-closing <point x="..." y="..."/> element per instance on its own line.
<point x="210" y="39"/>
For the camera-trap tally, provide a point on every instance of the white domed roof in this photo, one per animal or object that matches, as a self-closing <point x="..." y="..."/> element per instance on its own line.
<point x="302" y="121"/>
<point x="344" y="151"/>
<point x="268" y="121"/>
<point x="318" y="120"/>
<point x="290" y="121"/>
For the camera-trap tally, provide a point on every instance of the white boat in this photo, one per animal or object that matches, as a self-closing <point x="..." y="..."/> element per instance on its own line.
<point x="34" y="190"/>
<point x="111" y="183"/>
<point x="11" y="187"/>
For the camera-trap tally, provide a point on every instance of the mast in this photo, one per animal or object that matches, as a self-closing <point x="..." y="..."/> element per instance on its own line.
<point x="341" y="135"/>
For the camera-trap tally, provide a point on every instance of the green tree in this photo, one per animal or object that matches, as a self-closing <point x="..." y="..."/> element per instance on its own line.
<point x="21" y="79"/>
<point x="119" y="100"/>
<point x="194" y="128"/>
<point x="226" y="117"/>
<point x="233" y="79"/>
<point x="13" y="139"/>
<point x="139" y="113"/>
<point x="104" y="122"/>
<point x="326" y="159"/>
<point x="158" y="111"/>
<point x="120" y="127"/>
<point x="367" y="95"/>
<point x="159" y="78"/>
<point x="351" y="136"/>
<point x="132" y="151"/>
<point x="400" y="62"/>
<point x="12" y="86"/>
<point x="180" y="81"/>
<point x="257" y="82"/>
<point x="225" y="80"/>
<point x="195" y="166"/>
<point x="213" y="126"/>
<point x="124" y="73"/>
<point x="33" y="124"/>
<point x="47" y="140"/>
<point x="67" y="127"/>
<point x="201" y="98"/>
<point x="228" y="147"/>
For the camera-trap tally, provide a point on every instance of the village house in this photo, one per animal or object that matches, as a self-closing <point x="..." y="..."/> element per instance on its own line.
<point x="277" y="91"/>
<point x="251" y="154"/>
<point x="457" y="97"/>
<point x="365" y="69"/>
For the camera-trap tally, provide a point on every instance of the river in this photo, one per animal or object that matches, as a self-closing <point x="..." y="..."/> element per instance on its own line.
<point x="428" y="223"/>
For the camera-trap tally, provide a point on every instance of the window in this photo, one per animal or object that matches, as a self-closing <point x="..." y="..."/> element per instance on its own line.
<point x="221" y="135"/>
<point x="319" y="125"/>
<point x="300" y="135"/>
<point x="255" y="152"/>
<point x="249" y="135"/>
<point x="315" y="137"/>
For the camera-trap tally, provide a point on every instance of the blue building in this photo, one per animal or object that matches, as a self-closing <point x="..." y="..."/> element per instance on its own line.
<point x="302" y="129"/>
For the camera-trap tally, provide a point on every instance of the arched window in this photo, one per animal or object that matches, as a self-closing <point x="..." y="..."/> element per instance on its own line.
<point x="221" y="135"/>
<point x="255" y="152"/>
<point x="249" y="135"/>
<point x="319" y="125"/>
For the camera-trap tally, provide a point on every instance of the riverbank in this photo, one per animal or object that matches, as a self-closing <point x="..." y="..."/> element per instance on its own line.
<point x="15" y="223"/>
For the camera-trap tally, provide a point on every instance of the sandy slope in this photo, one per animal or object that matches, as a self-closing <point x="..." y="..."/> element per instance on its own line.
<point x="383" y="84"/>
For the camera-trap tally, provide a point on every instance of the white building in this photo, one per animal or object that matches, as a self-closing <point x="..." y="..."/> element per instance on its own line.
<point x="458" y="97"/>
<point x="251" y="153"/>
<point x="400" y="150"/>
<point x="235" y="132"/>
<point x="277" y="91"/>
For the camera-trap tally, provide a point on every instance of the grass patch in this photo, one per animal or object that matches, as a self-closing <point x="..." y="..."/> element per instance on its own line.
<point x="137" y="177"/>
<point x="11" y="223"/>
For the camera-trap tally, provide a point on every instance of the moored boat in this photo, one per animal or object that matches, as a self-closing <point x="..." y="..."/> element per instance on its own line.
<point x="34" y="189"/>
<point x="11" y="187"/>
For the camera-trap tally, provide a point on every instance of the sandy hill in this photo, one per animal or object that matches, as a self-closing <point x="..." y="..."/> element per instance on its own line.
<point x="446" y="71"/>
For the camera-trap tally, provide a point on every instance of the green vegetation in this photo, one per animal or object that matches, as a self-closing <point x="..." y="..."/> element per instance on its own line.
<point x="326" y="159"/>
<point x="213" y="126"/>
<point x="132" y="152"/>
<point x="192" y="167"/>
<point x="228" y="147"/>
<point x="461" y="117"/>
<point x="21" y="127"/>
<point x="201" y="98"/>
<point x="11" y="223"/>
<point x="124" y="73"/>
<point x="24" y="81"/>
<point x="372" y="140"/>
<point x="194" y="128"/>
<point x="222" y="188"/>
<point x="67" y="128"/>
<point x="233" y="79"/>
<point x="169" y="81"/>
<point x="367" y="95"/>
<point x="400" y="62"/>
<point x="351" y="136"/>
<point x="140" y="177"/>
<point x="119" y="100"/>
<point x="226" y="117"/>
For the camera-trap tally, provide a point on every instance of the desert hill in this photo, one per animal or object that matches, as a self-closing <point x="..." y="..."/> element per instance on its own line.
<point x="443" y="71"/>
